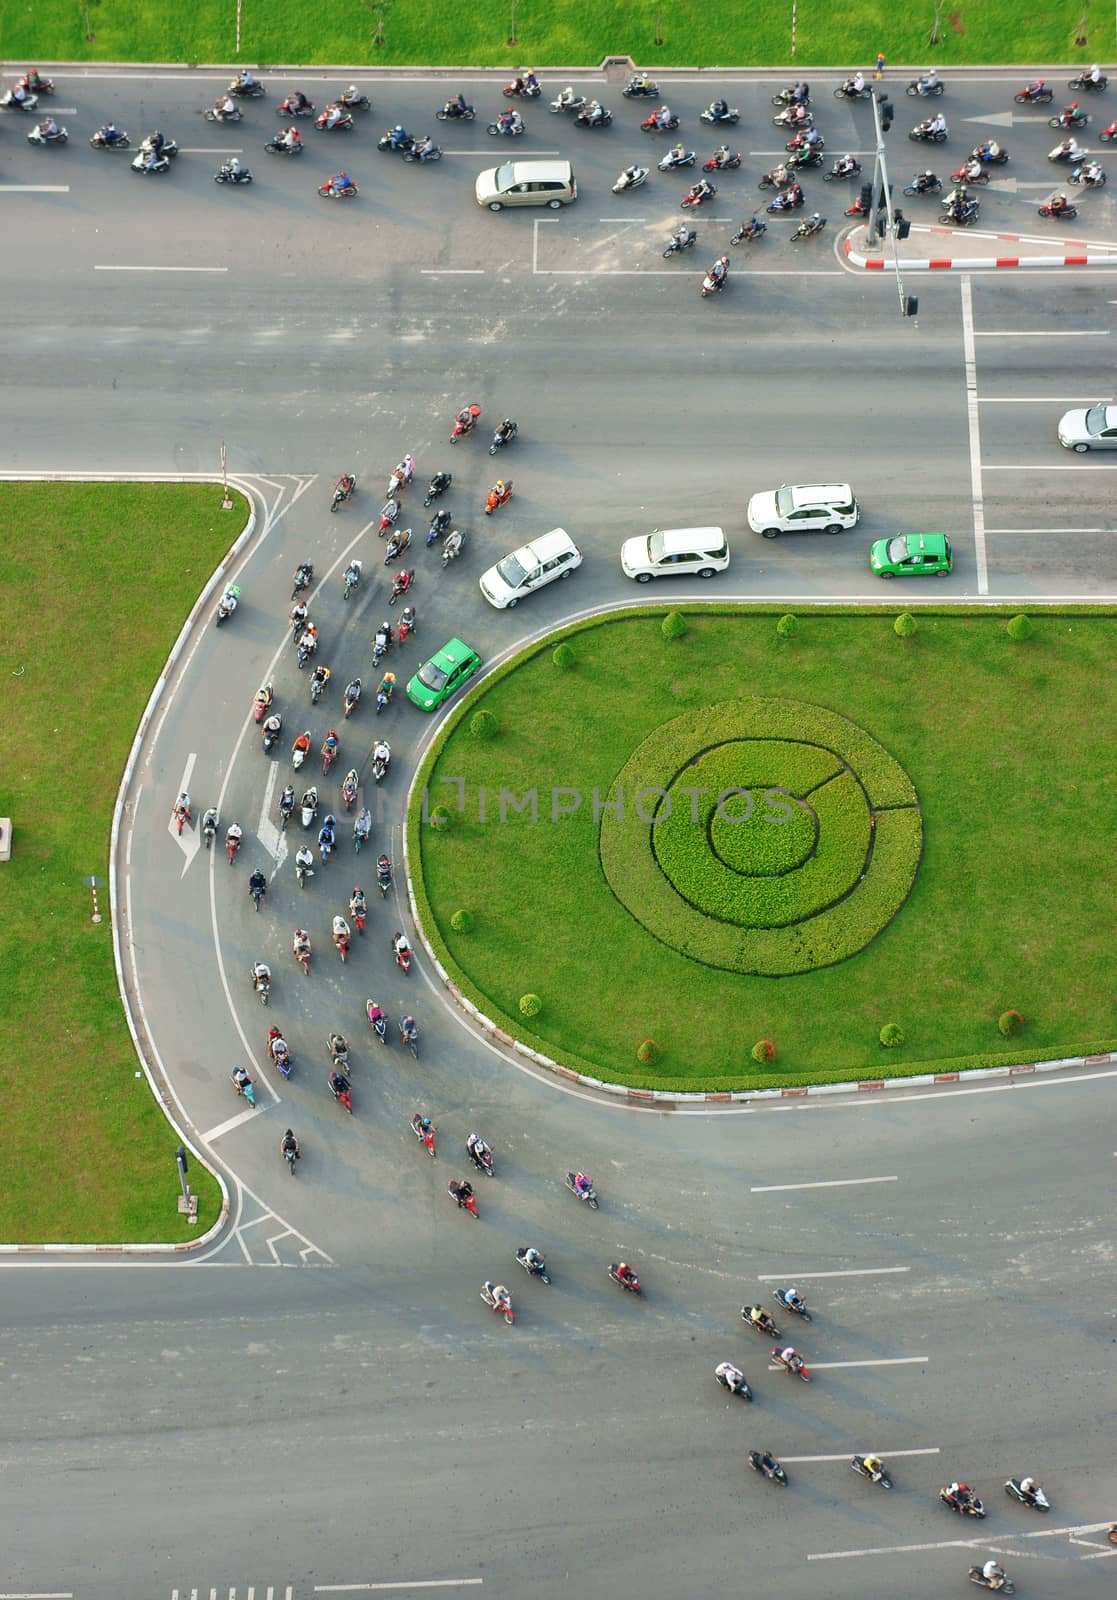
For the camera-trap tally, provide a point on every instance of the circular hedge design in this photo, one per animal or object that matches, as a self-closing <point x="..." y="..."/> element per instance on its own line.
<point x="763" y="836"/>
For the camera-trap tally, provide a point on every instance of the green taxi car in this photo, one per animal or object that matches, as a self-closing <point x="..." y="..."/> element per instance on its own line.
<point x="444" y="673"/>
<point x="911" y="554"/>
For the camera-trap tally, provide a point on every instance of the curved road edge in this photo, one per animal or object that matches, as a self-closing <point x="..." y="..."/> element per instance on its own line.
<point x="157" y="1080"/>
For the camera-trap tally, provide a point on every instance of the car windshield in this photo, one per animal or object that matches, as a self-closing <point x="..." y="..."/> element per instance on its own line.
<point x="511" y="572"/>
<point x="1096" y="419"/>
<point x="785" y="501"/>
<point x="898" y="547"/>
<point x="655" y="548"/>
<point x="504" y="177"/>
<point x="432" y="675"/>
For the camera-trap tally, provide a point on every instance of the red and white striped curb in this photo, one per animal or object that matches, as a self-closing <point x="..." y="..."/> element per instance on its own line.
<point x="1073" y="256"/>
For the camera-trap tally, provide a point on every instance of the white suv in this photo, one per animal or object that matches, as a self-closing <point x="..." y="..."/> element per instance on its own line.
<point x="675" y="553"/>
<point x="803" y="508"/>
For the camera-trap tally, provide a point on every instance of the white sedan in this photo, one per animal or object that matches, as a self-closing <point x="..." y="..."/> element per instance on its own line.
<point x="553" y="555"/>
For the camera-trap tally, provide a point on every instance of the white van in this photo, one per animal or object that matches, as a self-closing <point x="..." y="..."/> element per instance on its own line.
<point x="675" y="553"/>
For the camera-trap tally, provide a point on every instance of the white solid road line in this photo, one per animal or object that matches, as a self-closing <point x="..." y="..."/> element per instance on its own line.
<point x="883" y="1361"/>
<point x="160" y="269"/>
<point x="829" y="1183"/>
<point x="847" y="1272"/>
<point x="1068" y="466"/>
<point x="1045" y="333"/>
<point x="227" y="1127"/>
<point x="1030" y="400"/>
<point x="846" y="1456"/>
<point x="422" y="1583"/>
<point x="976" y="491"/>
<point x="211" y="150"/>
<point x="955" y="1544"/>
<point x="34" y="188"/>
<point x="1049" y="530"/>
<point x="452" y="272"/>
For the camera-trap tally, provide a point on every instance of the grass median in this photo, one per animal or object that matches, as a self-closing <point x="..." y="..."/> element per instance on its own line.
<point x="97" y="580"/>
<point x="940" y="863"/>
<point x="553" y="32"/>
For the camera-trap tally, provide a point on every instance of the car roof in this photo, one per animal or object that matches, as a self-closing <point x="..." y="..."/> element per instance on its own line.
<point x="548" y="545"/>
<point x="675" y="539"/>
<point x="453" y="653"/>
<point x="540" y="171"/>
<point x="928" y="543"/>
<point x="812" y="494"/>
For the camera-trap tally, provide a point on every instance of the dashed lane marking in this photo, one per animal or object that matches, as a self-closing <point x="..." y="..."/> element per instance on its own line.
<point x="34" y="188"/>
<point x="846" y="1272"/>
<point x="880" y="1361"/>
<point x="159" y="269"/>
<point x="827" y="1183"/>
<point x="846" y="1455"/>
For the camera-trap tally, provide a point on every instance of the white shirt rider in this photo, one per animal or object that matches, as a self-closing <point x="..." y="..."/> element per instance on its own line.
<point x="790" y="1356"/>
<point x="732" y="1375"/>
<point x="858" y="82"/>
<point x="532" y="1257"/>
<point x="382" y="753"/>
<point x="991" y="1569"/>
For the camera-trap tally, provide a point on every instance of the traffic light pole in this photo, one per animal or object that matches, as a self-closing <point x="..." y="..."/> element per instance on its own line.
<point x="882" y="190"/>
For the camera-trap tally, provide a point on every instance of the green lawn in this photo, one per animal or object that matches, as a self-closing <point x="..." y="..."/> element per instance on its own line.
<point x="995" y="895"/>
<point x="561" y="32"/>
<point x="97" y="580"/>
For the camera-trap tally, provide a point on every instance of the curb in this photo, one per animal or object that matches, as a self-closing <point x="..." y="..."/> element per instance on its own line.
<point x="896" y="70"/>
<point x="187" y="1245"/>
<point x="1080" y="258"/>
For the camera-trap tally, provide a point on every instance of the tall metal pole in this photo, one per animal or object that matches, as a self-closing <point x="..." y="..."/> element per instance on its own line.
<point x="880" y="173"/>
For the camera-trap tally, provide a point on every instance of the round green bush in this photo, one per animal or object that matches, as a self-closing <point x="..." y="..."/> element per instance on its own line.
<point x="763" y="1051"/>
<point x="483" y="725"/>
<point x="891" y="1035"/>
<point x="788" y="626"/>
<point x="647" y="1053"/>
<point x="562" y="656"/>
<point x="1019" y="627"/>
<point x="530" y="1005"/>
<point x="904" y="625"/>
<point x="1010" y="1022"/>
<point x="442" y="818"/>
<point x="462" y="921"/>
<point x="673" y="625"/>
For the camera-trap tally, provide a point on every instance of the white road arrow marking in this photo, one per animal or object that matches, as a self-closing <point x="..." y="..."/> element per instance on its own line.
<point x="995" y="119"/>
<point x="189" y="840"/>
<point x="268" y="832"/>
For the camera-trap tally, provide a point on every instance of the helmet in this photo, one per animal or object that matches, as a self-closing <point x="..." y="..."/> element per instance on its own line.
<point x="156" y="134"/>
<point x="963" y="1488"/>
<point x="622" y="1266"/>
<point x="289" y="1134"/>
<point x="499" y="485"/>
<point x="385" y="627"/>
<point x="389" y="677"/>
<point x="398" y="128"/>
<point x="357" y="890"/>
<point x="330" y="819"/>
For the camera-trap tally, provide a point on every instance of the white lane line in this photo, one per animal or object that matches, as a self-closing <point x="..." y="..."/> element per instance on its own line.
<point x="642" y="219"/>
<point x="1036" y="466"/>
<point x="527" y="153"/>
<point x="883" y="1361"/>
<point x="34" y="188"/>
<point x="211" y="150"/>
<point x="1044" y="333"/>
<point x="847" y="1272"/>
<point x="829" y="1183"/>
<point x="1030" y="400"/>
<point x="132" y="829"/>
<point x="663" y="272"/>
<point x="954" y="1544"/>
<point x="848" y="1454"/>
<point x="452" y="272"/>
<point x="421" y="1583"/>
<point x="22" y="1595"/>
<point x="1049" y="530"/>
<point x="976" y="492"/>
<point x="160" y="269"/>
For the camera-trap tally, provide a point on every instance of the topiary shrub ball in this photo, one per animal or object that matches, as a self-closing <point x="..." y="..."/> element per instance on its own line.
<point x="891" y="1035"/>
<point x="1019" y="627"/>
<point x="562" y="656"/>
<point x="763" y="1051"/>
<point x="1010" y="1022"/>
<point x="648" y="1053"/>
<point x="788" y="626"/>
<point x="462" y="922"/>
<point x="904" y="625"/>
<point x="673" y="625"/>
<point x="442" y="818"/>
<point x="482" y="725"/>
<point x="530" y="1005"/>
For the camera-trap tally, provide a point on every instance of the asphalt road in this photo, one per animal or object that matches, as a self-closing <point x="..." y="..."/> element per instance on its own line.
<point x="361" y="1418"/>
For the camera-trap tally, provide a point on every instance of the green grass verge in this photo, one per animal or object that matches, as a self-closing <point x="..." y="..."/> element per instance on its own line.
<point x="558" y="32"/>
<point x="88" y="1155"/>
<point x="1008" y="747"/>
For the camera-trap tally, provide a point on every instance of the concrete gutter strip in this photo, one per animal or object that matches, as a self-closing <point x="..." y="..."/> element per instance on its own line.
<point x="156" y="1087"/>
<point x="893" y="73"/>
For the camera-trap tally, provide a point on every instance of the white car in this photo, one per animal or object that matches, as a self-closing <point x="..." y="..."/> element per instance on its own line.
<point x="553" y="555"/>
<point x="675" y="553"/>
<point x="803" y="508"/>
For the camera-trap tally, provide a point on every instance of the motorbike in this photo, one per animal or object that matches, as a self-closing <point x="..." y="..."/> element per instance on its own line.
<point x="168" y="150"/>
<point x="482" y="1160"/>
<point x="460" y="429"/>
<point x="787" y="97"/>
<point x="272" y="729"/>
<point x="341" y="1089"/>
<point x="338" y="1051"/>
<point x="1000" y="1585"/>
<point x="302" y="956"/>
<point x="300" y="752"/>
<point x="601" y="118"/>
<point x="349" y="789"/>
<point x="499" y="495"/>
<point x="1066" y="214"/>
<point x="230" y="174"/>
<point x="717" y="117"/>
<point x="1059" y="154"/>
<point x="528" y="88"/>
<point x="806" y="157"/>
<point x="774" y="1473"/>
<point x="464" y="1197"/>
<point x="931" y="185"/>
<point x="923" y="135"/>
<point x="291" y="1156"/>
<point x="405" y="144"/>
<point x="342" y="124"/>
<point x="362" y="828"/>
<point x="380" y="645"/>
<point x="650" y="125"/>
<point x="422" y="157"/>
<point x="968" y="214"/>
<point x="629" y="1285"/>
<point x="741" y="1388"/>
<point x="729" y="164"/>
<point x="396" y="545"/>
<point x="1037" y="1500"/>
<point x="219" y="114"/>
<point x="181" y="813"/>
<point x="799" y="1310"/>
<point x="384" y="875"/>
<point x="352" y="578"/>
<point x="308" y="805"/>
<point x="410" y="1037"/>
<point x="1063" y="120"/>
<point x="502" y="437"/>
<point x="1087" y="84"/>
<point x="341" y="936"/>
<point x="490" y="1300"/>
<point x="286" y="806"/>
<point x="836" y="171"/>
<point x="232" y="844"/>
<point x="330" y="191"/>
<point x="246" y="1088"/>
<point x="261" y="701"/>
<point x="1034" y="97"/>
<point x="778" y="178"/>
<point x="37" y="136"/>
<point x="881" y="1477"/>
<point x="567" y="101"/>
<point x="920" y="86"/>
<point x="380" y="761"/>
<point x="98" y="141"/>
<point x="971" y="1507"/>
<point x="453" y="112"/>
<point x="227" y="604"/>
<point x="424" y="1130"/>
<point x="279" y="1052"/>
<point x="507" y="130"/>
<point x="455" y="543"/>
<point x="807" y="227"/>
<point x="261" y="981"/>
<point x="401" y="950"/>
<point x="287" y="108"/>
<point x="534" y="1269"/>
<point x="440" y="482"/>
<point x="209" y="826"/>
<point x="800" y="144"/>
<point x="626" y="182"/>
<point x="963" y="175"/>
<point x="352" y="695"/>
<point x="407" y="623"/>
<point x="377" y="1020"/>
<point x="389" y="512"/>
<point x="588" y="1195"/>
<point x="797" y="1369"/>
<point x="673" y="162"/>
<point x="793" y="117"/>
<point x="698" y="197"/>
<point x="317" y="689"/>
<point x="358" y="910"/>
<point x="789" y="200"/>
<point x="343" y="491"/>
<point x="304" y="574"/>
<point x="279" y="147"/>
<point x="846" y="91"/>
<point x="1109" y="133"/>
<point x="303" y="868"/>
<point x="767" y="1328"/>
<point x="1081" y="176"/>
<point x="384" y="696"/>
<point x="247" y="91"/>
<point x="748" y="231"/>
<point x="712" y="285"/>
<point x="8" y="102"/>
<point x="354" y="102"/>
<point x="639" y="88"/>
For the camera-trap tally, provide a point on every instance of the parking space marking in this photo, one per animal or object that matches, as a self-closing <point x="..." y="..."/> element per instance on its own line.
<point x="891" y="1454"/>
<point x="846" y="1272"/>
<point x="827" y="1183"/>
<point x="976" y="493"/>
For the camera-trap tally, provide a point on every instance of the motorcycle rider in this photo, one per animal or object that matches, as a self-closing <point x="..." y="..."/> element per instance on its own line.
<point x="792" y="1299"/>
<point x="936" y="124"/>
<point x="357" y="905"/>
<point x="675" y="157"/>
<point x="244" y="81"/>
<point x="1068" y="148"/>
<point x="291" y="139"/>
<point x="110" y="133"/>
<point x="758" y="1317"/>
<point x="510" y="122"/>
<point x="1057" y="204"/>
<point x="261" y="975"/>
<point x="342" y="183"/>
<point x="1029" y="1487"/>
<point x="929" y="82"/>
<point x="662" y="117"/>
<point x="700" y="191"/>
<point x="209" y="825"/>
<point x="451" y="546"/>
<point x="462" y="1192"/>
<point x="1073" y="115"/>
<point x="923" y="181"/>
<point x="844" y="166"/>
<point x="383" y="872"/>
<point x="330" y="746"/>
<point x="811" y="224"/>
<point x="409" y="1029"/>
<point x="302" y="743"/>
<point x="873" y="1465"/>
<point x="300" y="944"/>
<point x="289" y="1143"/>
<point x="959" y="1494"/>
<point x="456" y="108"/>
<point x="768" y="1462"/>
<point x="625" y="1274"/>
<point x="386" y="687"/>
<point x="1092" y="173"/>
<point x="752" y="229"/>
<point x="720" y="156"/>
<point x="856" y="84"/>
<point x="286" y="802"/>
<point x="341" y="933"/>
<point x="477" y="1149"/>
<point x="181" y="809"/>
<point x="232" y="168"/>
<point x="993" y="1573"/>
<point x="719" y="110"/>
<point x="682" y="237"/>
<point x="257" y="882"/>
<point x="988" y="151"/>
<point x="719" y="271"/>
<point x="241" y="1079"/>
<point x="424" y="145"/>
<point x="339" y="1084"/>
<point x="298" y="615"/>
<point x="788" y="198"/>
<point x="362" y="824"/>
<point x="233" y="836"/>
<point x="508" y="429"/>
<point x="278" y="1048"/>
<point x="582" y="1185"/>
<point x="732" y="1376"/>
<point x="304" y="862"/>
<point x="321" y="675"/>
<point x="401" y="946"/>
<point x="1038" y="86"/>
<point x="334" y="114"/>
<point x="502" y="1300"/>
<point x="532" y="1258"/>
<point x="48" y="128"/>
<point x="790" y="1358"/>
<point x="224" y="106"/>
<point x="381" y="753"/>
<point x="326" y="836"/>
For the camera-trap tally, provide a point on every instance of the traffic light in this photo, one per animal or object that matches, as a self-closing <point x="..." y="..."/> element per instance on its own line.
<point x="886" y="115"/>
<point x="911" y="305"/>
<point x="903" y="226"/>
<point x="866" y="201"/>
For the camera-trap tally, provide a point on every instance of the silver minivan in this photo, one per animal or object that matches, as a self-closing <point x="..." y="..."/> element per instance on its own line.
<point x="527" y="183"/>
